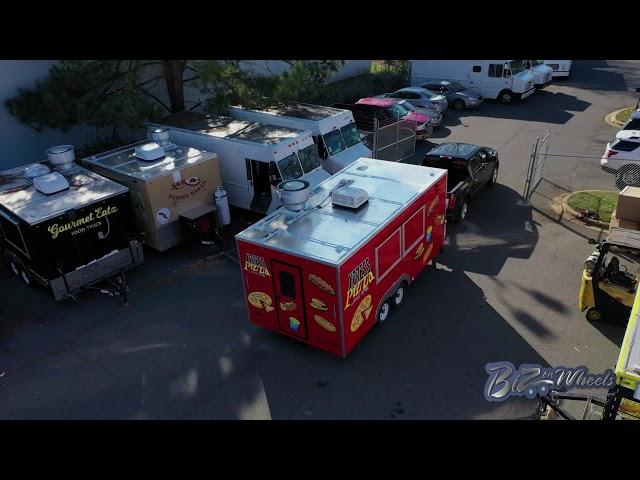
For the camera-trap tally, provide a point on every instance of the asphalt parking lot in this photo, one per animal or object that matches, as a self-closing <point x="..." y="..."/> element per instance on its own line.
<point x="504" y="289"/>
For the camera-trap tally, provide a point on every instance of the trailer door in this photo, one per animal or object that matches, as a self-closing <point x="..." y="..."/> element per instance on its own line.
<point x="287" y="281"/>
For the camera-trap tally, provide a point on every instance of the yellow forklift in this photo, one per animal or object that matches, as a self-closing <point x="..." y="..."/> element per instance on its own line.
<point x="609" y="279"/>
<point x="623" y="399"/>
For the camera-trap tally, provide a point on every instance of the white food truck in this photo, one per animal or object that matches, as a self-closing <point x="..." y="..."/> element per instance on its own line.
<point x="334" y="130"/>
<point x="254" y="158"/>
<point x="561" y="68"/>
<point x="542" y="74"/>
<point x="502" y="80"/>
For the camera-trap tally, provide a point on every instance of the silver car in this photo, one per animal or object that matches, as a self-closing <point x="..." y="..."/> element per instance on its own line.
<point x="421" y="98"/>
<point x="458" y="96"/>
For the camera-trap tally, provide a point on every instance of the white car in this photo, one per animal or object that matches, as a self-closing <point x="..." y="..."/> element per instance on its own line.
<point x="622" y="158"/>
<point x="421" y="97"/>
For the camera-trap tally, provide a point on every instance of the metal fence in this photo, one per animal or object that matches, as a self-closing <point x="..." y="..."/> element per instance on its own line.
<point x="392" y="140"/>
<point x="553" y="175"/>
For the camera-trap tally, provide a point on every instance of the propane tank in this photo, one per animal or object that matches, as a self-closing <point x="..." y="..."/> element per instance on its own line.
<point x="222" y="202"/>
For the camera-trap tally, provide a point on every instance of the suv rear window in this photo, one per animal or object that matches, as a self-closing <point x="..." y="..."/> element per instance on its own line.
<point x="625" y="145"/>
<point x="633" y="124"/>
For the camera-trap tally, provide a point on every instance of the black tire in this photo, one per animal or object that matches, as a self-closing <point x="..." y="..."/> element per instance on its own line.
<point x="458" y="104"/>
<point x="399" y="296"/>
<point x="628" y="176"/>
<point x="26" y="277"/>
<point x="494" y="177"/>
<point x="462" y="211"/>
<point x="384" y="312"/>
<point x="15" y="266"/>
<point x="594" y="315"/>
<point x="505" y="97"/>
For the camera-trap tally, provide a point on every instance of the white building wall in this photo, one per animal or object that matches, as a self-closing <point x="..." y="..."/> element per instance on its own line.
<point x="20" y="144"/>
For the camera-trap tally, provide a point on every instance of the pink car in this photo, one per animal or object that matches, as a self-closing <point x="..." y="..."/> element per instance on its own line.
<point x="390" y="108"/>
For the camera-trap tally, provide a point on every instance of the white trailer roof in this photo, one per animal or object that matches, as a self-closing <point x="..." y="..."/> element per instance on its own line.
<point x="20" y="197"/>
<point x="123" y="160"/>
<point x="319" y="119"/>
<point x="331" y="234"/>
<point x="231" y="128"/>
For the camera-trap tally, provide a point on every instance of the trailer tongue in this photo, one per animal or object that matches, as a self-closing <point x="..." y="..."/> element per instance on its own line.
<point x="324" y="273"/>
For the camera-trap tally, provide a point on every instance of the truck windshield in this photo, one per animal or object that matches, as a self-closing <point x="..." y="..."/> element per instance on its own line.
<point x="290" y="167"/>
<point x="351" y="135"/>
<point x="517" y="66"/>
<point x="309" y="158"/>
<point x="334" y="141"/>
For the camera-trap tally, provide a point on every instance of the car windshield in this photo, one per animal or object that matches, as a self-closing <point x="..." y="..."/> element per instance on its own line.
<point x="351" y="135"/>
<point x="517" y="66"/>
<point x="334" y="141"/>
<point x="457" y="87"/>
<point x="290" y="167"/>
<point x="398" y="110"/>
<point x="537" y="62"/>
<point x="408" y="106"/>
<point x="309" y="158"/>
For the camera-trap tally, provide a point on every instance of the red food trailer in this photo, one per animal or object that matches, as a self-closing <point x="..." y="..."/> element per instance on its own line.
<point x="328" y="265"/>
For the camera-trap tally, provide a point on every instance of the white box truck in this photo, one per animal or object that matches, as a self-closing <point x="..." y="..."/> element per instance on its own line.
<point x="334" y="130"/>
<point x="561" y="68"/>
<point x="542" y="74"/>
<point x="253" y="157"/>
<point x="502" y="80"/>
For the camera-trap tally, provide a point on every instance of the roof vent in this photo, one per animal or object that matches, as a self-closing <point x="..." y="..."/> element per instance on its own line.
<point x="294" y="194"/>
<point x="149" y="152"/>
<point x="50" y="183"/>
<point x="161" y="136"/>
<point x="61" y="157"/>
<point x="350" y="197"/>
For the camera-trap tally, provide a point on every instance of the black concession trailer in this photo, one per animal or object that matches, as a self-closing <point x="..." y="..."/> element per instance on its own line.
<point x="67" y="228"/>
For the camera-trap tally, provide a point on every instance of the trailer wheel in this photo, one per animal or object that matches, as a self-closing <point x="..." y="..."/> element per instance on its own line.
<point x="594" y="315"/>
<point x="398" y="298"/>
<point x="14" y="267"/>
<point x="384" y="312"/>
<point x="505" y="97"/>
<point x="26" y="276"/>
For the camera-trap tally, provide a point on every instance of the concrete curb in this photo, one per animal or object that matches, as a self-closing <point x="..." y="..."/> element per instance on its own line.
<point x="562" y="200"/>
<point x="610" y="118"/>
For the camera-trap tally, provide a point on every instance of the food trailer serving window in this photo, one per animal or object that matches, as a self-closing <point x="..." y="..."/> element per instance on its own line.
<point x="290" y="167"/>
<point x="388" y="254"/>
<point x="413" y="230"/>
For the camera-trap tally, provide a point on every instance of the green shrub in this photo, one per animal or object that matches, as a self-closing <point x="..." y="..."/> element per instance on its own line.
<point x="350" y="90"/>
